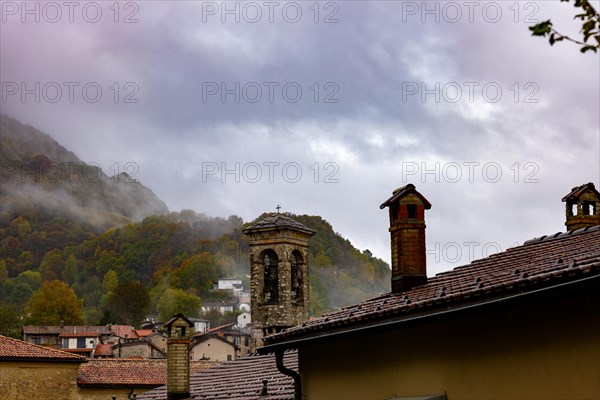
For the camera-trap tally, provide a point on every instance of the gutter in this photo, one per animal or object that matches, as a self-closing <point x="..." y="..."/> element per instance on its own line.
<point x="289" y="372"/>
<point x="296" y="343"/>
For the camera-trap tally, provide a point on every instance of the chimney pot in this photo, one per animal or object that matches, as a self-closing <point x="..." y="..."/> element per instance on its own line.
<point x="586" y="201"/>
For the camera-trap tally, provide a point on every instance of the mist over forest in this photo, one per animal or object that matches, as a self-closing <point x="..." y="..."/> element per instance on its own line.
<point x="114" y="243"/>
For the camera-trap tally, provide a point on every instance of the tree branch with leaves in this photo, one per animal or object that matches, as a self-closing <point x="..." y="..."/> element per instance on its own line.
<point x="590" y="28"/>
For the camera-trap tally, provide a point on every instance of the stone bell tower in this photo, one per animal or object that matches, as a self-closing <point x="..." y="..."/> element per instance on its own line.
<point x="407" y="231"/>
<point x="582" y="207"/>
<point x="279" y="274"/>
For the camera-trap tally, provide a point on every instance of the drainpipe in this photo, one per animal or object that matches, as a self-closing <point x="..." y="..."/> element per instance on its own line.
<point x="289" y="372"/>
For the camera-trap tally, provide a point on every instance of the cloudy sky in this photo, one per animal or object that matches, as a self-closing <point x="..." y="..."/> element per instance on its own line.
<point x="320" y="107"/>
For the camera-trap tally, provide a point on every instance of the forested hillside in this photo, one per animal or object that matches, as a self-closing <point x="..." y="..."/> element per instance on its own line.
<point x="168" y="259"/>
<point x="73" y="245"/>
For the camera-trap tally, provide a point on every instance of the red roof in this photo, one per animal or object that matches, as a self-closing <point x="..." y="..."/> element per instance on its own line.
<point x="239" y="379"/>
<point x="124" y="331"/>
<point x="542" y="262"/>
<point x="129" y="372"/>
<point x="143" y="332"/>
<point x="13" y="349"/>
<point x="103" y="350"/>
<point x="215" y="329"/>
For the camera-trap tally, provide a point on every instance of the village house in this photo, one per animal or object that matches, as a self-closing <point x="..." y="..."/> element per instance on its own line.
<point x="210" y="344"/>
<point x="149" y="347"/>
<point x="521" y="324"/>
<point x="29" y="371"/>
<point x="213" y="347"/>
<point x="77" y="338"/>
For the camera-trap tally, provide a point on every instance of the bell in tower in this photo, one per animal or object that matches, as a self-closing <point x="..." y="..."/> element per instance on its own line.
<point x="279" y="274"/>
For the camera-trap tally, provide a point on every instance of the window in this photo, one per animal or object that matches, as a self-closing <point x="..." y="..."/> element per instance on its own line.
<point x="297" y="283"/>
<point x="65" y="343"/>
<point x="36" y="340"/>
<point x="589" y="208"/>
<point x="412" y="210"/>
<point x="81" y="343"/>
<point x="271" y="277"/>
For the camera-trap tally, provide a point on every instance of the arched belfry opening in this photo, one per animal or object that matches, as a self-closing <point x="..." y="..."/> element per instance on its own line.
<point x="270" y="277"/>
<point x="279" y="274"/>
<point x="297" y="270"/>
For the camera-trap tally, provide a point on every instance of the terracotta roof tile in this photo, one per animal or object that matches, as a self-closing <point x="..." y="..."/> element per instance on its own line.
<point x="64" y="331"/>
<point x="240" y="379"/>
<point x="579" y="190"/>
<point x="104" y="350"/>
<point x="540" y="262"/>
<point x="143" y="332"/>
<point x="13" y="349"/>
<point x="129" y="372"/>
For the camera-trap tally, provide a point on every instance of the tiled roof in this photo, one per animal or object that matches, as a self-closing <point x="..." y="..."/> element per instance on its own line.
<point x="403" y="191"/>
<point x="143" y="332"/>
<point x="124" y="331"/>
<point x="128" y="372"/>
<point x="80" y="334"/>
<point x="41" y="330"/>
<point x="240" y="379"/>
<point x="117" y="330"/>
<point x="579" y="190"/>
<point x="13" y="349"/>
<point x="275" y="221"/>
<point x="541" y="262"/>
<point x="215" y="329"/>
<point x="103" y="350"/>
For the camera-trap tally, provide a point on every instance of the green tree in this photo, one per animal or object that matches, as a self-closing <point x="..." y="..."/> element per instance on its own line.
<point x="53" y="303"/>
<point x="110" y="281"/>
<point x="69" y="274"/>
<point x="3" y="272"/>
<point x="128" y="304"/>
<point x="10" y="322"/>
<point x="198" y="271"/>
<point x="52" y="265"/>
<point x="590" y="28"/>
<point x="175" y="301"/>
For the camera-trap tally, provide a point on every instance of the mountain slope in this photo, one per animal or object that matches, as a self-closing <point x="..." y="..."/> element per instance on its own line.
<point x="37" y="172"/>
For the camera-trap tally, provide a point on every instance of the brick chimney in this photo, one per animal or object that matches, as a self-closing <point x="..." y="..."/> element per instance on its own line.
<point x="178" y="358"/>
<point x="407" y="231"/>
<point x="582" y="207"/>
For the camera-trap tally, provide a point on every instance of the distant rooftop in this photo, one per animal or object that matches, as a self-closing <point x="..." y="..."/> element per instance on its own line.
<point x="18" y="350"/>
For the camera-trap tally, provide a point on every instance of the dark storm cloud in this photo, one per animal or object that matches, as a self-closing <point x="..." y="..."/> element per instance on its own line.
<point x="375" y="134"/>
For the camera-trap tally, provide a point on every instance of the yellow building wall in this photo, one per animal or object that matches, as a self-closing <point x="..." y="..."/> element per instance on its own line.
<point x="542" y="350"/>
<point x="38" y="380"/>
<point x="214" y="348"/>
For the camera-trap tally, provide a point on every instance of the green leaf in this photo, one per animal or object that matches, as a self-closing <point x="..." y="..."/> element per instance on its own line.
<point x="541" y="29"/>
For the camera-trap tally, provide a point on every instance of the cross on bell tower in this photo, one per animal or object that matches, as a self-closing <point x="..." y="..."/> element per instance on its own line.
<point x="279" y="274"/>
